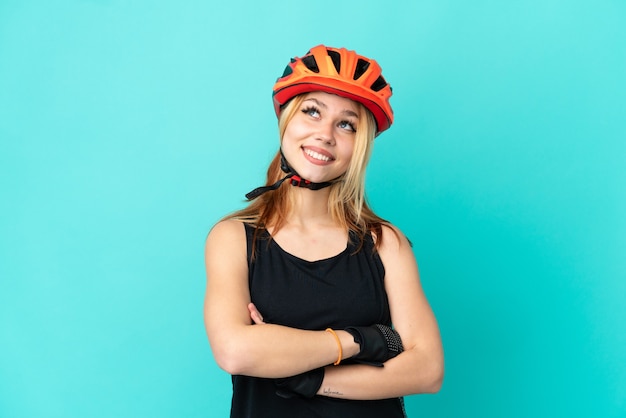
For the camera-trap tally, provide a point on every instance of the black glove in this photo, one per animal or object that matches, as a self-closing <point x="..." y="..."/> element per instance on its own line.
<point x="305" y="384"/>
<point x="378" y="344"/>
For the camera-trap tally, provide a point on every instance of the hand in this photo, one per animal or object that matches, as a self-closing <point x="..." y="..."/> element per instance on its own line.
<point x="378" y="343"/>
<point x="255" y="315"/>
<point x="304" y="384"/>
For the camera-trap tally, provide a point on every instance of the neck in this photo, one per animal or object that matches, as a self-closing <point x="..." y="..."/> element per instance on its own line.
<point x="310" y="207"/>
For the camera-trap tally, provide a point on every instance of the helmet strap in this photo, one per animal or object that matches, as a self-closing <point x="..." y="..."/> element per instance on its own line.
<point x="296" y="180"/>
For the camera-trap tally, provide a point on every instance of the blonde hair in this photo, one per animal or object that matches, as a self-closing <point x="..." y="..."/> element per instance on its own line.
<point x="347" y="204"/>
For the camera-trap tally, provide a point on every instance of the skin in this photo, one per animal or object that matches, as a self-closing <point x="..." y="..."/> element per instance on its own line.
<point x="324" y="125"/>
<point x="272" y="351"/>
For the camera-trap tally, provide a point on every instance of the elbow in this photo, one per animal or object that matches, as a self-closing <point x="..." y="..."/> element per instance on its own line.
<point x="227" y="363"/>
<point x="425" y="371"/>
<point x="229" y="359"/>
<point x="434" y="379"/>
<point x="435" y="384"/>
<point x="427" y="377"/>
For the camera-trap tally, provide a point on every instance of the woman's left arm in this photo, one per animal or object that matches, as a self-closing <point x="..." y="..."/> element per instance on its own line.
<point x="419" y="369"/>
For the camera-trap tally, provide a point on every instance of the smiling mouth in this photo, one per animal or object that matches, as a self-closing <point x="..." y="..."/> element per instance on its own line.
<point x="317" y="155"/>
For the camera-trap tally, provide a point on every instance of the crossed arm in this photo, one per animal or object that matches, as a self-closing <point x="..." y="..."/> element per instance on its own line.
<point x="273" y="351"/>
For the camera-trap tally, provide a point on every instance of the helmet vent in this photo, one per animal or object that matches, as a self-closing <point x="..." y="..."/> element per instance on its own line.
<point x="334" y="55"/>
<point x="288" y="70"/>
<point x="361" y="67"/>
<point x="310" y="63"/>
<point x="379" y="84"/>
<point x="339" y="71"/>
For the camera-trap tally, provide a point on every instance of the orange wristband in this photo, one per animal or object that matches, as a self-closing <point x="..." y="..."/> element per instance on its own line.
<point x="338" y="345"/>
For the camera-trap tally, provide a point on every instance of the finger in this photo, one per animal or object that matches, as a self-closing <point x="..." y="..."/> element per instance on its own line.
<point x="257" y="320"/>
<point x="255" y="314"/>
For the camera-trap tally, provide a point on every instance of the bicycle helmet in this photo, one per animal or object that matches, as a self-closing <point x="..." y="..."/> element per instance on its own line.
<point x="337" y="71"/>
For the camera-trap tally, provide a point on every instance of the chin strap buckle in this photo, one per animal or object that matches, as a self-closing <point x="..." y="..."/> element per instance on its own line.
<point x="299" y="181"/>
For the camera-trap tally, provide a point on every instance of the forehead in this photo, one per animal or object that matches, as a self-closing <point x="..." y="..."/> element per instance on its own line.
<point x="333" y="101"/>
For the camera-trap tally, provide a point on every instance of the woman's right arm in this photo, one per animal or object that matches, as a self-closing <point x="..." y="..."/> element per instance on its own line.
<point x="262" y="350"/>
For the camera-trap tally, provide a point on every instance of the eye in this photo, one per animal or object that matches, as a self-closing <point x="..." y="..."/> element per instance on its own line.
<point x="347" y="125"/>
<point x="311" y="111"/>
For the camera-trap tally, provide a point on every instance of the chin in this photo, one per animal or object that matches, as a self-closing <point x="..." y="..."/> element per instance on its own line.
<point x="317" y="175"/>
<point x="316" y="179"/>
<point x="320" y="176"/>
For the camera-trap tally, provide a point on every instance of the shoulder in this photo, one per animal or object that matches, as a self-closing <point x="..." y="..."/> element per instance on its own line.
<point x="391" y="238"/>
<point x="229" y="233"/>
<point x="394" y="248"/>
<point x="226" y="228"/>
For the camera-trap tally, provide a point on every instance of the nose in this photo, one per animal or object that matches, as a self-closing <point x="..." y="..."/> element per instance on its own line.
<point x="326" y="133"/>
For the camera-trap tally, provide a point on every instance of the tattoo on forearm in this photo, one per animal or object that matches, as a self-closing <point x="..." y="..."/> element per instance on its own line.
<point x="329" y="391"/>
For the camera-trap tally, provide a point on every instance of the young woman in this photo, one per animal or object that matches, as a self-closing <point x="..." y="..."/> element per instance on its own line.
<point x="313" y="302"/>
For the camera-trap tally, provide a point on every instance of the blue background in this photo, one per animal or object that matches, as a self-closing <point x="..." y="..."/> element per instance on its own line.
<point x="127" y="128"/>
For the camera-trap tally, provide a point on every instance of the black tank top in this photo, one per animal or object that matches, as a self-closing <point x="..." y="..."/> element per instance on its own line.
<point x="337" y="292"/>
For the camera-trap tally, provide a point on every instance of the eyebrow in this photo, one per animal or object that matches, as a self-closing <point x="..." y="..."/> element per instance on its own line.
<point x="346" y="112"/>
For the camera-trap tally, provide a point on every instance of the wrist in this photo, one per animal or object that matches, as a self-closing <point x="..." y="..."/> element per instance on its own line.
<point x="350" y="348"/>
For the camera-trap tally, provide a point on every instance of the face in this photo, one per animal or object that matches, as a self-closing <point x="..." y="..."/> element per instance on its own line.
<point x="319" y="139"/>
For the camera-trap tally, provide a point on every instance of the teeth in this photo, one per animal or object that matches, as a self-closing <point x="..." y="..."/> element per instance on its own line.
<point x="316" y="155"/>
